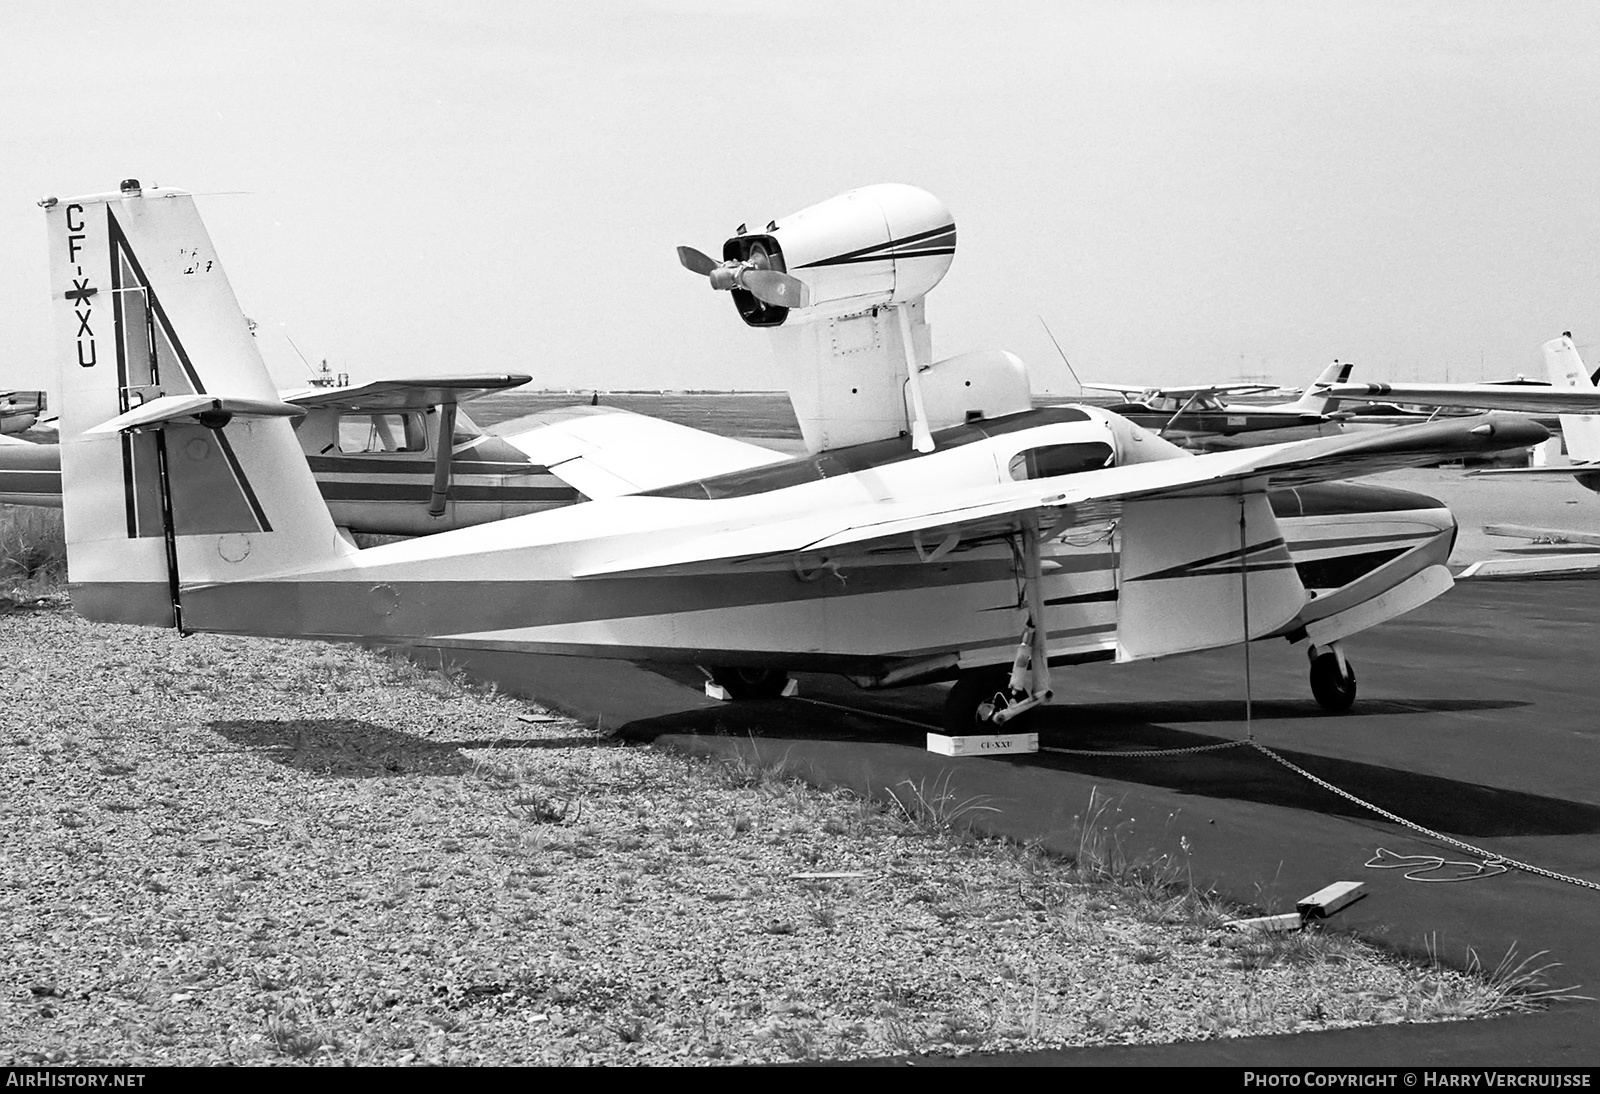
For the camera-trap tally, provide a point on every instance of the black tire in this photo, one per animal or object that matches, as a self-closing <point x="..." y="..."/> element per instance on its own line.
<point x="751" y="683"/>
<point x="971" y="690"/>
<point x="1335" y="691"/>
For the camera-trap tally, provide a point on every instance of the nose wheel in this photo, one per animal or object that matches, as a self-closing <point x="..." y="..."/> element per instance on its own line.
<point x="977" y="696"/>
<point x="1333" y="678"/>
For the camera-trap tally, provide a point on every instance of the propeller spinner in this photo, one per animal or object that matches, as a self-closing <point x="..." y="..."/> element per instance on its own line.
<point x="754" y="275"/>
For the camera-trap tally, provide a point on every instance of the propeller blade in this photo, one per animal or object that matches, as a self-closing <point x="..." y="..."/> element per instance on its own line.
<point x="780" y="289"/>
<point x="696" y="261"/>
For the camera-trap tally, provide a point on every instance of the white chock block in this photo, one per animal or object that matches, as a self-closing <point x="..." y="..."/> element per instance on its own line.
<point x="1326" y="901"/>
<point x="1288" y="921"/>
<point x="984" y="744"/>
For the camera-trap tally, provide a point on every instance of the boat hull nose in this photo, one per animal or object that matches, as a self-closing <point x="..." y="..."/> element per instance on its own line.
<point x="1339" y="532"/>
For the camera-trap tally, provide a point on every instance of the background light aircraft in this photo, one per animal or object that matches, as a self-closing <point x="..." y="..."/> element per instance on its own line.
<point x="375" y="450"/>
<point x="20" y="410"/>
<point x="1197" y="417"/>
<point x="936" y="530"/>
<point x="1571" y="395"/>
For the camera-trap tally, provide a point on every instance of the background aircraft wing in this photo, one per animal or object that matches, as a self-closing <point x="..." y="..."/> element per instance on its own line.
<point x="606" y="452"/>
<point x="1061" y="504"/>
<point x="1532" y="399"/>
<point x="412" y="393"/>
<point x="1144" y="391"/>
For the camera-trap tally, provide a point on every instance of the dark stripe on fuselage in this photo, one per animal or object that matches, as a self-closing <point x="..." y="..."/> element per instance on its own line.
<point x="43" y="483"/>
<point x="860" y="457"/>
<point x="1340" y="570"/>
<point x="419" y="464"/>
<point x="419" y="492"/>
<point x="1225" y="422"/>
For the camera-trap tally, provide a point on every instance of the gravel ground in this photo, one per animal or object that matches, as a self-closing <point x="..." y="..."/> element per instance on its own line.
<point x="227" y="850"/>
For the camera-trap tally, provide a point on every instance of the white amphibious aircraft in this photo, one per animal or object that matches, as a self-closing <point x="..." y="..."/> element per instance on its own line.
<point x="938" y="520"/>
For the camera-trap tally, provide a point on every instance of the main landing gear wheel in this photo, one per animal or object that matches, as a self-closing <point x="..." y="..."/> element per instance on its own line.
<point x="1333" y="680"/>
<point x="977" y="694"/>
<point x="751" y="683"/>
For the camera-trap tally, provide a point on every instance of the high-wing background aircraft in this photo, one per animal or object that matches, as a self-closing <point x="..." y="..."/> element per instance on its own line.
<point x="20" y="410"/>
<point x="374" y="449"/>
<point x="1571" y="395"/>
<point x="1197" y="417"/>
<point x="937" y="530"/>
<point x="393" y="457"/>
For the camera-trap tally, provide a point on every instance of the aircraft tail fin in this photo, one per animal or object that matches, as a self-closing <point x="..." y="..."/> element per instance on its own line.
<point x="1316" y="400"/>
<point x="1564" y="366"/>
<point x="178" y="466"/>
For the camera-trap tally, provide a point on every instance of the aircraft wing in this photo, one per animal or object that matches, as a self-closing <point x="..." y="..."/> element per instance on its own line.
<point x="1189" y="392"/>
<point x="1071" y="501"/>
<point x="605" y="452"/>
<point x="1532" y="399"/>
<point x="1549" y="471"/>
<point x="413" y="393"/>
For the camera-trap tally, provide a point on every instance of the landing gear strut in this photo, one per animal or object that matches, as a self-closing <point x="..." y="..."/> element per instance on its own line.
<point x="986" y="699"/>
<point x="1333" y="678"/>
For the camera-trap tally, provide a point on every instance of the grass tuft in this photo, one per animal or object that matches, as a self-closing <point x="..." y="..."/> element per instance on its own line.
<point x="1516" y="986"/>
<point x="936" y="810"/>
<point x="33" y="546"/>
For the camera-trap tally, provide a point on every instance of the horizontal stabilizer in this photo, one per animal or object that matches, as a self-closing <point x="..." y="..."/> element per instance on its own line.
<point x="176" y="408"/>
<point x="606" y="452"/>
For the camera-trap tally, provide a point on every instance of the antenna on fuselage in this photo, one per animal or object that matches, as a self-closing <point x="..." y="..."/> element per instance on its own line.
<point x="1063" y="353"/>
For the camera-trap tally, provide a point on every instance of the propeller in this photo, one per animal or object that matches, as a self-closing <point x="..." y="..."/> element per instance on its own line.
<point x="755" y="275"/>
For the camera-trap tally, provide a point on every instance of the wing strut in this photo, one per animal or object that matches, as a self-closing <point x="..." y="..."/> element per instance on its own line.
<point x="1182" y="410"/>
<point x="445" y="451"/>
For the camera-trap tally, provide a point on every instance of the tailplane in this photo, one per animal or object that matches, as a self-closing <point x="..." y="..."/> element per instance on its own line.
<point x="1316" y="400"/>
<point x="179" y="464"/>
<point x="1580" y="432"/>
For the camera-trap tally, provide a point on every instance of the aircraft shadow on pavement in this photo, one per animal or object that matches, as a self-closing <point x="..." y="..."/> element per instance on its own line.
<point x="349" y="749"/>
<point x="1240" y="774"/>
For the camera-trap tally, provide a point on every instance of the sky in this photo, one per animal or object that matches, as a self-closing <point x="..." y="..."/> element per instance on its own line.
<point x="1184" y="192"/>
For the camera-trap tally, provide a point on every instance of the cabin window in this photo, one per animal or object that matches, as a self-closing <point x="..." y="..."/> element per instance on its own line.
<point x="381" y="433"/>
<point x="1061" y="459"/>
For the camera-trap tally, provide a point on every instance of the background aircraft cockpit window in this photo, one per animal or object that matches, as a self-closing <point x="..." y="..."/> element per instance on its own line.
<point x="381" y="433"/>
<point x="1061" y="459"/>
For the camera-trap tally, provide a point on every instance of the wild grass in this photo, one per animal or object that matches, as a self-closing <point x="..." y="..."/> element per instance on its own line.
<point x="1515" y="985"/>
<point x="935" y="809"/>
<point x="33" y="548"/>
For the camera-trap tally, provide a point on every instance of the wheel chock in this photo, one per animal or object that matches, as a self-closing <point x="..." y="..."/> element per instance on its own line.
<point x="984" y="744"/>
<point x="1319" y="905"/>
<point x="1325" y="902"/>
<point x="1289" y="921"/>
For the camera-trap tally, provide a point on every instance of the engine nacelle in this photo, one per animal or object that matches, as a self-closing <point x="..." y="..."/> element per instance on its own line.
<point x="872" y="247"/>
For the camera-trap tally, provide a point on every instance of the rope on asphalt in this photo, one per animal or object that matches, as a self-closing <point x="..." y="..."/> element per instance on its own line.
<point x="1419" y="867"/>
<point x="1489" y="857"/>
<point x="1499" y="864"/>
